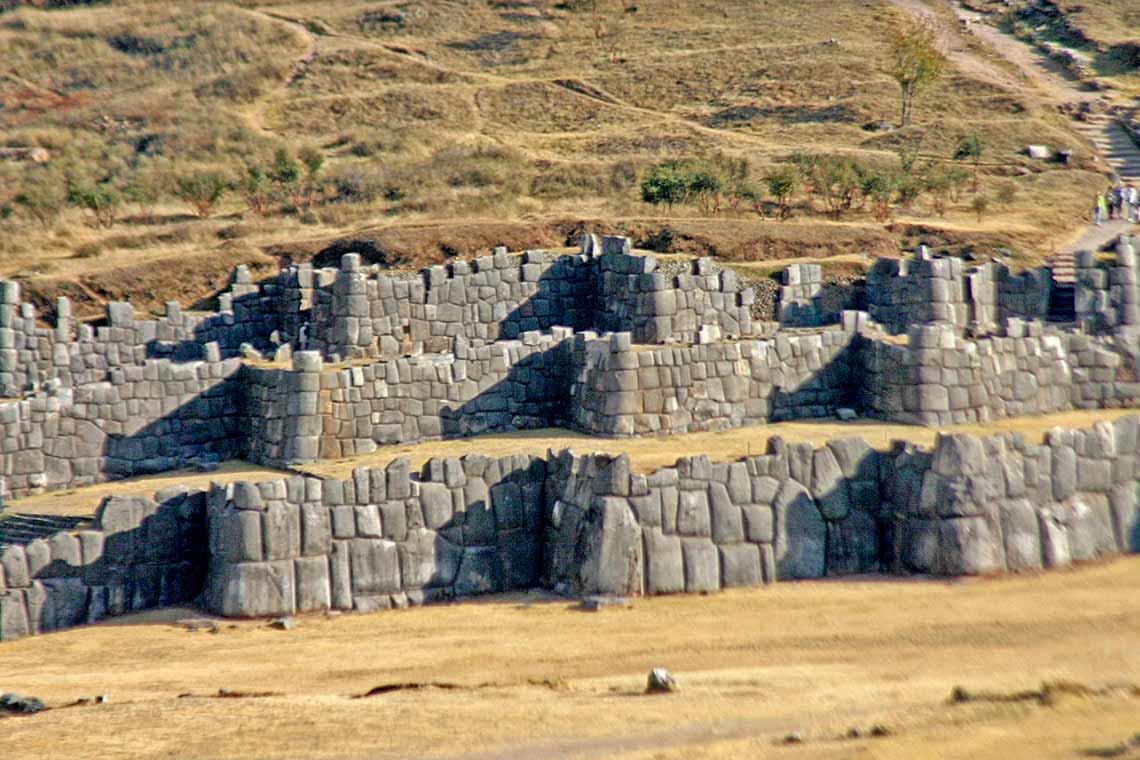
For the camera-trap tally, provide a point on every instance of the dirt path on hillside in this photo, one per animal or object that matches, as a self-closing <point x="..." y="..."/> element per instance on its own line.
<point x="1039" y="77"/>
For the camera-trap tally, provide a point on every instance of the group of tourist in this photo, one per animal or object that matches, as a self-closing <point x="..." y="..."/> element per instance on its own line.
<point x="1121" y="202"/>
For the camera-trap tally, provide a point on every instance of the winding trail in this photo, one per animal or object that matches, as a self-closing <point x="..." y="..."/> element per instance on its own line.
<point x="1038" y="76"/>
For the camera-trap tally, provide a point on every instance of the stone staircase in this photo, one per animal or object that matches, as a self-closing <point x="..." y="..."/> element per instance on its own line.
<point x="1123" y="156"/>
<point x="16" y="528"/>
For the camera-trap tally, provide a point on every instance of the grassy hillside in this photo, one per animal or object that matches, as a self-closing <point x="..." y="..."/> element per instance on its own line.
<point x="446" y="127"/>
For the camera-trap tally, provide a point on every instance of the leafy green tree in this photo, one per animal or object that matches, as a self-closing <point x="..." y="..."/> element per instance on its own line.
<point x="836" y="180"/>
<point x="879" y="187"/>
<point x="915" y="61"/>
<point x="971" y="147"/>
<point x="666" y="183"/>
<point x="286" y="170"/>
<point x="782" y="185"/>
<point x="706" y="187"/>
<point x="203" y="190"/>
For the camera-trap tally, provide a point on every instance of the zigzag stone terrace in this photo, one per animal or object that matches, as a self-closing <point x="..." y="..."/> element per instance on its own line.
<point x="604" y="342"/>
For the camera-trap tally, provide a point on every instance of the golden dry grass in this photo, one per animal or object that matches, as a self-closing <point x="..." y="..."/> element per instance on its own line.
<point x="470" y="111"/>
<point x="539" y="678"/>
<point x="646" y="454"/>
<point x="84" y="501"/>
<point x="651" y="453"/>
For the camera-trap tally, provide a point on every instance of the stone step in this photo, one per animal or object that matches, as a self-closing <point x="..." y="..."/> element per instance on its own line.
<point x="17" y="528"/>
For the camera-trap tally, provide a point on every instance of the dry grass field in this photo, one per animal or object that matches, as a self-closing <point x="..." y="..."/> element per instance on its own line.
<point x="527" y="676"/>
<point x="450" y="126"/>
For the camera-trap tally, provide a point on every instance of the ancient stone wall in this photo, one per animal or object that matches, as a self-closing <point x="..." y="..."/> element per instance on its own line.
<point x="145" y="419"/>
<point x="496" y="297"/>
<point x="902" y="292"/>
<point x="382" y="538"/>
<point x="587" y="524"/>
<point x="989" y="505"/>
<point x="925" y="289"/>
<point x="1106" y="296"/>
<point x="801" y="297"/>
<point x="699" y="306"/>
<point x="314" y="411"/>
<point x="623" y="389"/>
<point x="941" y="378"/>
<point x="75" y="354"/>
<point x="140" y="554"/>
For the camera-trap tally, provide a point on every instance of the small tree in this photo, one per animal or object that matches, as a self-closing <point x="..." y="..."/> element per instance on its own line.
<point x="939" y="184"/>
<point x="911" y="179"/>
<point x="980" y="205"/>
<point x="665" y="183"/>
<point x="202" y="190"/>
<point x="837" y="180"/>
<point x="782" y="185"/>
<point x="879" y="187"/>
<point x="706" y="187"/>
<point x="916" y="61"/>
<point x="145" y="189"/>
<point x="971" y="147"/>
<point x="43" y="197"/>
<point x="101" y="199"/>
<point x="256" y="189"/>
<point x="1006" y="194"/>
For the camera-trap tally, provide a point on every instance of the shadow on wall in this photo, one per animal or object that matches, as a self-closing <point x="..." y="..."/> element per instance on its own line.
<point x="207" y="428"/>
<point x="140" y="554"/>
<point x="536" y="393"/>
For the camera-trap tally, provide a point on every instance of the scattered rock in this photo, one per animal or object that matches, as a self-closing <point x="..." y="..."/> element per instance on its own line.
<point x="20" y="705"/>
<point x="879" y="730"/>
<point x="1038" y="151"/>
<point x="793" y="738"/>
<point x="197" y="624"/>
<point x="286" y="623"/>
<point x="250" y="353"/>
<point x="598" y="603"/>
<point x="845" y="414"/>
<point x="661" y="681"/>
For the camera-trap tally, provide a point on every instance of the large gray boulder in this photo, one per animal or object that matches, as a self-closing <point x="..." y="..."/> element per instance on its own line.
<point x="1124" y="499"/>
<point x="1021" y="533"/>
<point x="740" y="565"/>
<point x="13" y="616"/>
<point x="853" y="545"/>
<point x="610" y="548"/>
<point x="1055" y="551"/>
<point x="480" y="572"/>
<point x="427" y="560"/>
<point x="801" y="534"/>
<point x="702" y="565"/>
<point x="969" y="547"/>
<point x="314" y="590"/>
<point x="727" y="523"/>
<point x="828" y="485"/>
<point x="920" y="545"/>
<point x="375" y="566"/>
<point x="664" y="563"/>
<point x="252" y="589"/>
